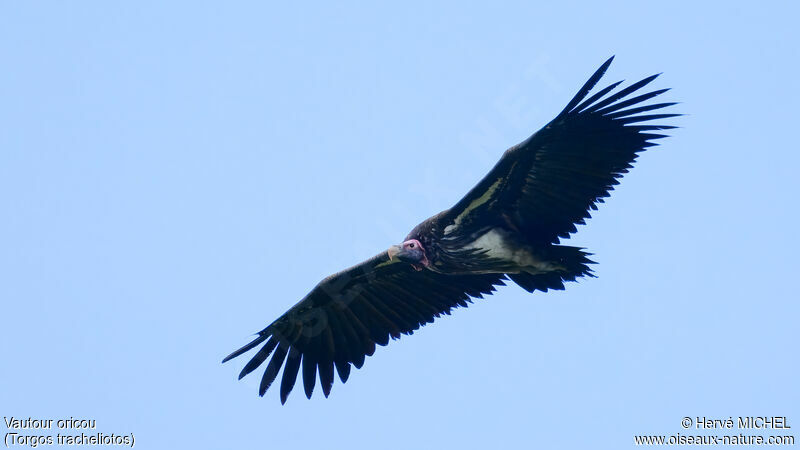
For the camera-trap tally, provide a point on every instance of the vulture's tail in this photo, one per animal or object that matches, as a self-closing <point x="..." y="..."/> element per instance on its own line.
<point x="575" y="263"/>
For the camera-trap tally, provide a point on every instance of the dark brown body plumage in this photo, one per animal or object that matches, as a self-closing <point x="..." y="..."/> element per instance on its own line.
<point x="509" y="226"/>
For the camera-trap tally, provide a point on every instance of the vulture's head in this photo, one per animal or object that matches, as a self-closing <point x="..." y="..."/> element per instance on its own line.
<point x="410" y="251"/>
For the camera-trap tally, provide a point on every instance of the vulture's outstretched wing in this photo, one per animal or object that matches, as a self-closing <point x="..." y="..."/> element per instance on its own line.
<point x="547" y="184"/>
<point x="340" y="321"/>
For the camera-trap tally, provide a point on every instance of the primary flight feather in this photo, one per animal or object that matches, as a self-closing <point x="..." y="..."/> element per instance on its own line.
<point x="507" y="227"/>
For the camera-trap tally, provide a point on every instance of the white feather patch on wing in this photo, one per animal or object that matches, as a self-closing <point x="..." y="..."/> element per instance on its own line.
<point x="474" y="204"/>
<point x="497" y="245"/>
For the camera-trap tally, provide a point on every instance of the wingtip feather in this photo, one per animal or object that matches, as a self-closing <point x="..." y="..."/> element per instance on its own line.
<point x="261" y="338"/>
<point x="587" y="87"/>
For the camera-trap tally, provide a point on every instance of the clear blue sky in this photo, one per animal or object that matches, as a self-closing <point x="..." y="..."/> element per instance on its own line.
<point x="175" y="175"/>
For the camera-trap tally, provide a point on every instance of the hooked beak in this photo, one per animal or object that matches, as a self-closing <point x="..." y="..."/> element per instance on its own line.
<point x="393" y="251"/>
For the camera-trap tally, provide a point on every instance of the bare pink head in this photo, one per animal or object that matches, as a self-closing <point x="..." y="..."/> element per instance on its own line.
<point x="410" y="251"/>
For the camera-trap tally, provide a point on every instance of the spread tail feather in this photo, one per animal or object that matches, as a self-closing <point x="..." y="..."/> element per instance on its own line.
<point x="575" y="263"/>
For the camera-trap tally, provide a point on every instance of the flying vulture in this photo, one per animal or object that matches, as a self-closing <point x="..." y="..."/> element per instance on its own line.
<point x="508" y="227"/>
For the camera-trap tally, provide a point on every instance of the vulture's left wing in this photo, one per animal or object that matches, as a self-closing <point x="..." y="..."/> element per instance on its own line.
<point x="547" y="184"/>
<point x="340" y="321"/>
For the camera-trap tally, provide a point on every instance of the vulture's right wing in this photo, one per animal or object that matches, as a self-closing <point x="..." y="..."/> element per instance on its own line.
<point x="547" y="184"/>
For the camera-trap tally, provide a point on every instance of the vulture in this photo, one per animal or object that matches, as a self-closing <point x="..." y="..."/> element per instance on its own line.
<point x="508" y="227"/>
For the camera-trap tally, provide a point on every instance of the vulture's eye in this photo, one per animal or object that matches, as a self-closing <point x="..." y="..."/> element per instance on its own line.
<point x="411" y="245"/>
